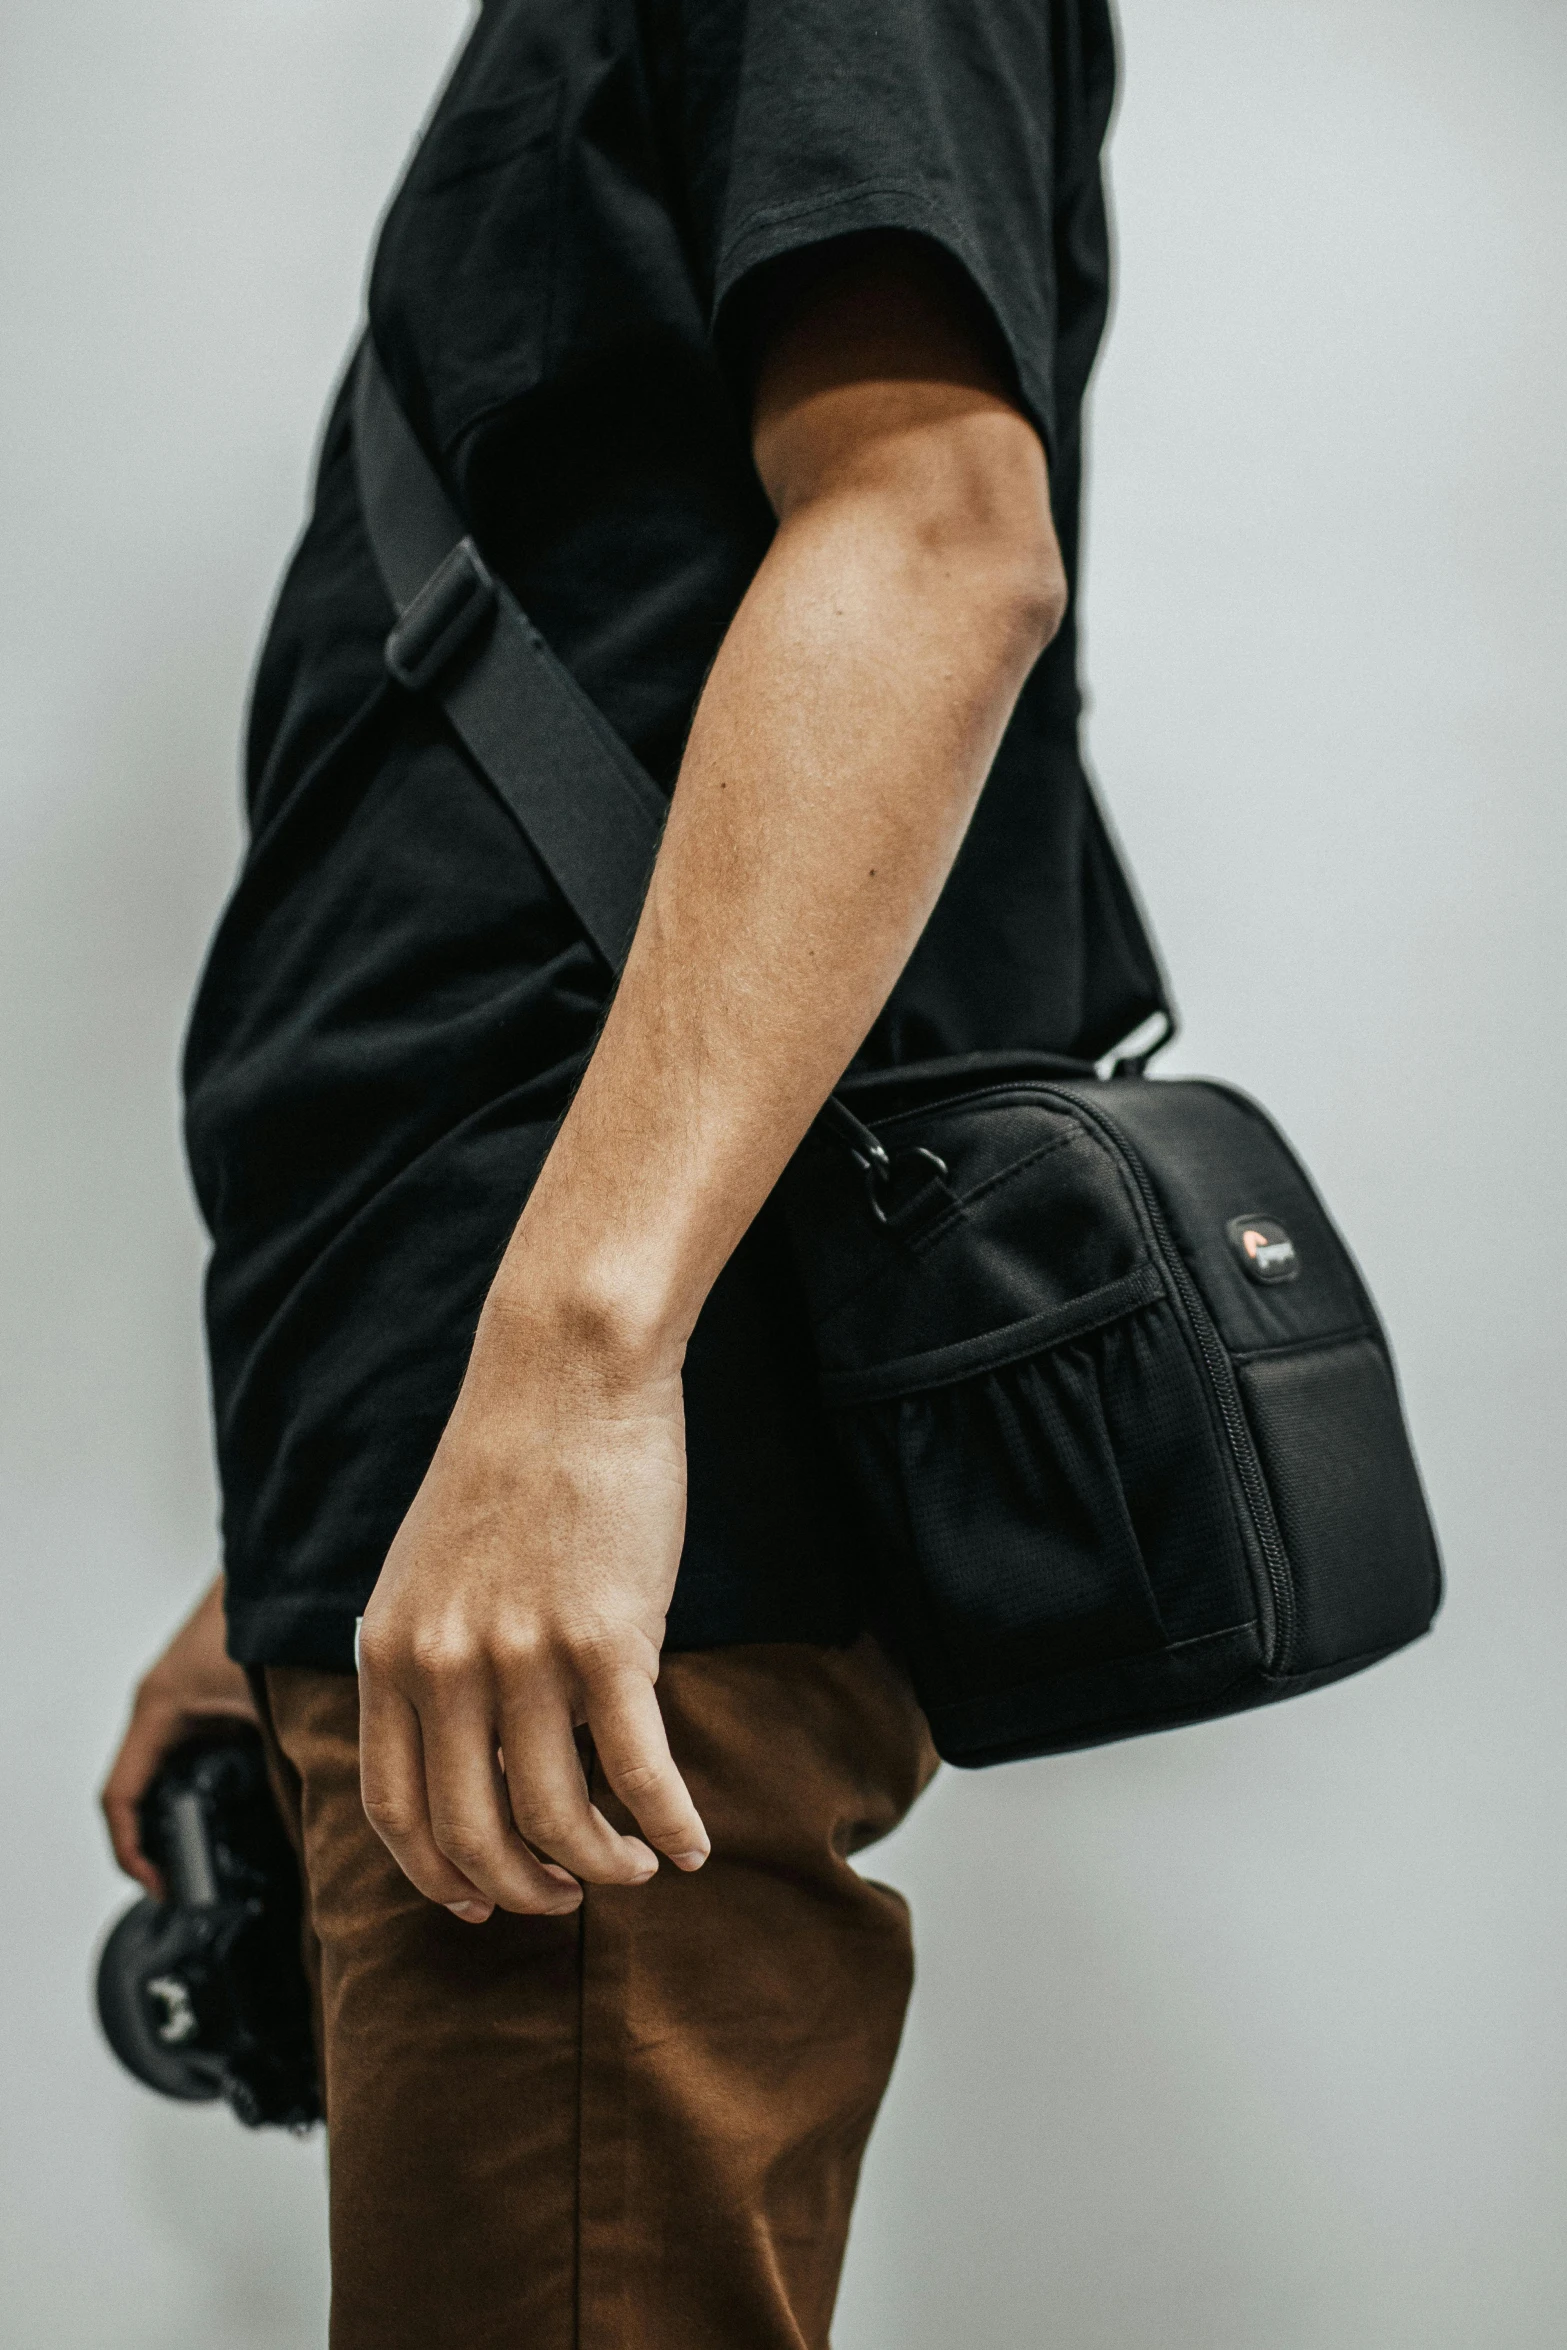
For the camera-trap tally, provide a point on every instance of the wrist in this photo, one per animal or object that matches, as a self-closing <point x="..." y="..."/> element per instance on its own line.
<point x="602" y="1327"/>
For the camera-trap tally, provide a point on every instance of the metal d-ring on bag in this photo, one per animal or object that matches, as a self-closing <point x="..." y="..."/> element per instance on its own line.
<point x="1115" y="1401"/>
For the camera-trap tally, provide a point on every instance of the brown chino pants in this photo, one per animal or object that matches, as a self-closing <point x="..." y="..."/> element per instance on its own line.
<point x="639" y="2127"/>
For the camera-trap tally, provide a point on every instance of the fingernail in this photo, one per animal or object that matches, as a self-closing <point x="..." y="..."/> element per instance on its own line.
<point x="688" y="1860"/>
<point x="472" y="1913"/>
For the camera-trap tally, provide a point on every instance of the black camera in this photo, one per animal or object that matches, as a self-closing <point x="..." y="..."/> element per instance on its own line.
<point x="204" y="1995"/>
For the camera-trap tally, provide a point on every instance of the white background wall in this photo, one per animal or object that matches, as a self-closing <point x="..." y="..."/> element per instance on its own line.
<point x="1249" y="2038"/>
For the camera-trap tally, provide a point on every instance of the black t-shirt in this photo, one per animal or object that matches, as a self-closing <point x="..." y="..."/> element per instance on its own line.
<point x="397" y="1004"/>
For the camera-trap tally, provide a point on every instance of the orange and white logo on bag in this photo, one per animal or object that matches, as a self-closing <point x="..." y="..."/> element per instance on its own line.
<point x="1265" y="1248"/>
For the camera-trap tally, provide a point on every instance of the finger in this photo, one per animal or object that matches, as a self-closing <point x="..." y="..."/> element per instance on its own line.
<point x="157" y="1725"/>
<point x="470" y="1818"/>
<point x="549" y="1796"/>
<point x="633" y="1748"/>
<point x="152" y="1731"/>
<point x="392" y="1788"/>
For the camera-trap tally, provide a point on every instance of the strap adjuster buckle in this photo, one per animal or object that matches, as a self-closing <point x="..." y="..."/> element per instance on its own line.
<point x="453" y="604"/>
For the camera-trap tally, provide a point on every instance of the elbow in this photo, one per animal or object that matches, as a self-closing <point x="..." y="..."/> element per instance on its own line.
<point x="1031" y="590"/>
<point x="946" y="499"/>
<point x="986" y="537"/>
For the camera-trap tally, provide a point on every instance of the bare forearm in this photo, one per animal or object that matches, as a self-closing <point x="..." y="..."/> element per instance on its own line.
<point x="837" y="754"/>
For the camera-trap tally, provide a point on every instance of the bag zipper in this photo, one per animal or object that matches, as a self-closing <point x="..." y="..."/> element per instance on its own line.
<point x="1280" y="1634"/>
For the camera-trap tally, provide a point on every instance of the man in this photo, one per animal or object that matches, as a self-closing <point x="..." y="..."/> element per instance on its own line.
<point x="750" y="339"/>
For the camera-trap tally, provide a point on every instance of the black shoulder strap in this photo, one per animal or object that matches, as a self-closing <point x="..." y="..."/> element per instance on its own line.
<point x="590" y="811"/>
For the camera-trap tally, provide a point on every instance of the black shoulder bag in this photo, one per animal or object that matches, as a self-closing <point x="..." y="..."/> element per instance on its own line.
<point x="1112" y="1394"/>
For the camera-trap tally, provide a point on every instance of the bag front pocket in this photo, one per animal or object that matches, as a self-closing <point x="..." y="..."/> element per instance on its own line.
<point x="1050" y="1512"/>
<point x="1025" y="1549"/>
<point x="1333" y="1446"/>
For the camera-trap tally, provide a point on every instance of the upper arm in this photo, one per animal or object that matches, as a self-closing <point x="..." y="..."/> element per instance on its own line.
<point x="870" y="195"/>
<point x="877" y="373"/>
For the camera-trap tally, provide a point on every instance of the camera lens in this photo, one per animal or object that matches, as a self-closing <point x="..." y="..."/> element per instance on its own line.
<point x="147" y="2011"/>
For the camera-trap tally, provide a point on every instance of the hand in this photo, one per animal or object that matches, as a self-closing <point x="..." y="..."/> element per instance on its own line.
<point x="523" y="1598"/>
<point x="194" y="1681"/>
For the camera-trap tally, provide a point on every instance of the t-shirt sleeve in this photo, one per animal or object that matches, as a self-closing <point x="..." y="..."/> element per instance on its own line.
<point x="812" y="119"/>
